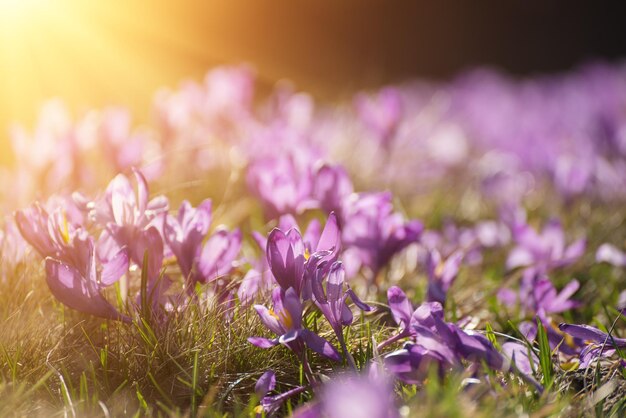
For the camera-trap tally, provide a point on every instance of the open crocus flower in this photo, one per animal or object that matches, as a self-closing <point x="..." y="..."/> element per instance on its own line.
<point x="406" y="316"/>
<point x="184" y="235"/>
<point x="53" y="235"/>
<point x="436" y="342"/>
<point x="126" y="213"/>
<point x="285" y="320"/>
<point x="373" y="233"/>
<point x="80" y="285"/>
<point x="292" y="261"/>
<point x="598" y="343"/>
<point x="441" y="274"/>
<point x="543" y="251"/>
<point x="283" y="184"/>
<point x="331" y="185"/>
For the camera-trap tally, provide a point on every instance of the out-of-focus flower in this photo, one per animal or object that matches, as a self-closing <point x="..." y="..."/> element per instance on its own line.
<point x="283" y="183"/>
<point x="373" y="233"/>
<point x="598" y="344"/>
<point x="331" y="186"/>
<point x="543" y="251"/>
<point x="381" y="114"/>
<point x="285" y="320"/>
<point x="12" y="248"/>
<point x="441" y="275"/>
<point x="352" y="396"/>
<point x="608" y="253"/>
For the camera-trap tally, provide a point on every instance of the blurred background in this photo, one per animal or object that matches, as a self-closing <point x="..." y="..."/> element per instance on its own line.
<point x="119" y="52"/>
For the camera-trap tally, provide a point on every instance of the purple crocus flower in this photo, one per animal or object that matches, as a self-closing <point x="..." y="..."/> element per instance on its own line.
<point x="608" y="253"/>
<point x="285" y="320"/>
<point x="290" y="259"/>
<point x="438" y="342"/>
<point x="332" y="302"/>
<point x="381" y="114"/>
<point x="331" y="186"/>
<point x="283" y="184"/>
<point x="352" y="396"/>
<point x="598" y="343"/>
<point x="48" y="235"/>
<point x="406" y="316"/>
<point x="373" y="233"/>
<point x="126" y="213"/>
<point x="80" y="285"/>
<point x="545" y="250"/>
<point x="538" y="295"/>
<point x="269" y="404"/>
<point x="441" y="275"/>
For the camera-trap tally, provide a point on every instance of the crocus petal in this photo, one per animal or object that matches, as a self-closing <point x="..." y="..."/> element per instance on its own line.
<point x="142" y="190"/>
<point x="269" y="320"/>
<point x="265" y="384"/>
<point x="357" y="301"/>
<point x="262" y="342"/>
<point x="400" y="306"/>
<point x="611" y="254"/>
<point x="575" y="250"/>
<point x="334" y="284"/>
<point x="330" y="238"/>
<point x="218" y="254"/>
<point x="320" y="345"/>
<point x="249" y="288"/>
<point x="589" y="333"/>
<point x="293" y="308"/>
<point x="519" y="257"/>
<point x="70" y="288"/>
<point x="114" y="268"/>
<point x="290" y="336"/>
<point x="32" y="224"/>
<point x="518" y="354"/>
<point x="346" y="315"/>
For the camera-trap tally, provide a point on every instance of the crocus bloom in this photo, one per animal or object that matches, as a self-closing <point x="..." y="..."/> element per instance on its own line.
<point x="331" y="185"/>
<point x="126" y="213"/>
<point x="609" y="253"/>
<point x="373" y="233"/>
<point x="406" y="316"/>
<point x="285" y="320"/>
<point x="271" y="403"/>
<point x="441" y="275"/>
<point x="440" y="343"/>
<point x="599" y="343"/>
<point x="282" y="183"/>
<point x="289" y="258"/>
<point x="332" y="300"/>
<point x="80" y="286"/>
<point x="352" y="396"/>
<point x="381" y="114"/>
<point x="545" y="250"/>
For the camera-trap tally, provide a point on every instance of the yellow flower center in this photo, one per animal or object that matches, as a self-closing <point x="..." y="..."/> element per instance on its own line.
<point x="65" y="232"/>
